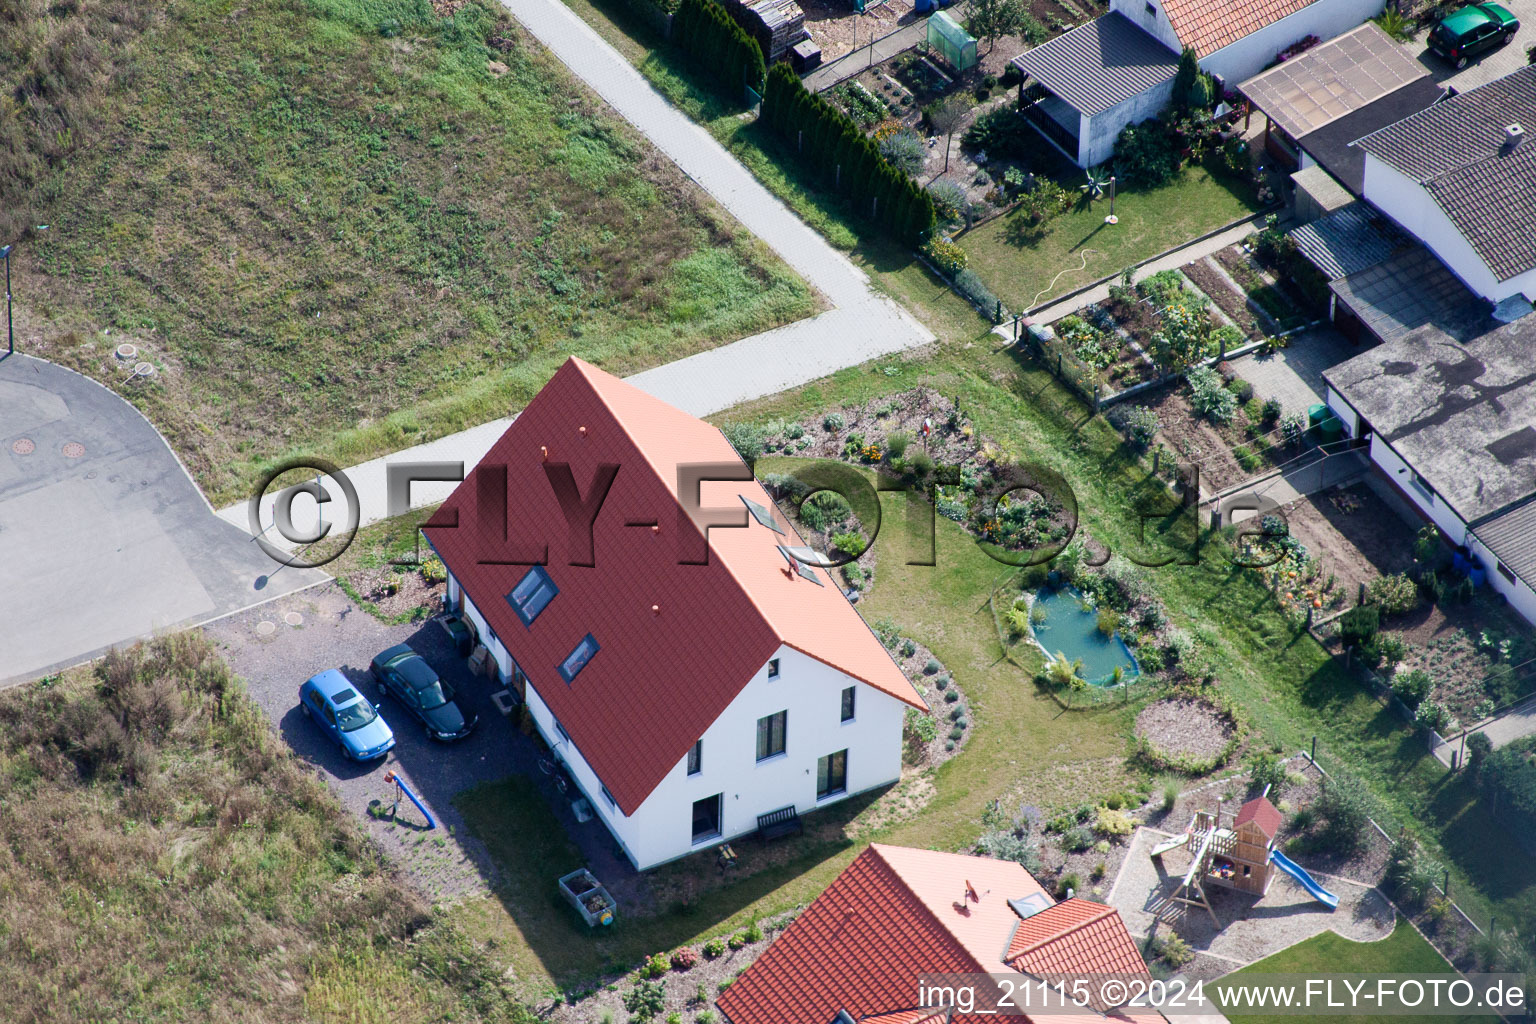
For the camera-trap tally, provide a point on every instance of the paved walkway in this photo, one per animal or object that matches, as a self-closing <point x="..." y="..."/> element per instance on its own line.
<point x="1294" y="374"/>
<point x="1308" y="476"/>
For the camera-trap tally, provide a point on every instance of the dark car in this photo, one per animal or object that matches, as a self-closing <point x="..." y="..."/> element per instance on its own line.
<point x="406" y="676"/>
<point x="1471" y="31"/>
<point x="344" y="715"/>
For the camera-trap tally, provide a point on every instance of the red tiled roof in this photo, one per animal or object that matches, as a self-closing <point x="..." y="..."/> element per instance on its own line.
<point x="1075" y="937"/>
<point x="1205" y="26"/>
<point x="896" y="914"/>
<point x="1262" y="813"/>
<point x="659" y="679"/>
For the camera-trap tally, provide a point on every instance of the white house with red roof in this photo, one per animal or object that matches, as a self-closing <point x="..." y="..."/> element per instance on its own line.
<point x="691" y="678"/>
<point x="895" y="915"/>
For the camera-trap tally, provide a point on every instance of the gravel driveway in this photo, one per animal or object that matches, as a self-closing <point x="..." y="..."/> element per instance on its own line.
<point x="332" y="632"/>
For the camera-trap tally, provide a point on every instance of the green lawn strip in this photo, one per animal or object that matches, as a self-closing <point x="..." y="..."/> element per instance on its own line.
<point x="336" y="229"/>
<point x="1025" y="263"/>
<point x="1405" y="951"/>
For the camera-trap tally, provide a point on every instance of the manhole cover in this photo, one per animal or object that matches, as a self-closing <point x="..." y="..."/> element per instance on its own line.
<point x="73" y="450"/>
<point x="23" y="446"/>
<point x="293" y="618"/>
<point x="266" y="628"/>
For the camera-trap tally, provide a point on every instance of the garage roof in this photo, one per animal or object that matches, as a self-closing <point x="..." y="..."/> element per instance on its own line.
<point x="1100" y="65"/>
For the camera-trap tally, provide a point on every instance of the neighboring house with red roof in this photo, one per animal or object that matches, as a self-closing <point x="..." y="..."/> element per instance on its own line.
<point x="896" y="914"/>
<point x="1081" y="88"/>
<point x="686" y="699"/>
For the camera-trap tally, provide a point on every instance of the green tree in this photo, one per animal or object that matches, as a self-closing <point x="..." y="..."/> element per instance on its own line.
<point x="993" y="19"/>
<point x="946" y="117"/>
<point x="1185" y="78"/>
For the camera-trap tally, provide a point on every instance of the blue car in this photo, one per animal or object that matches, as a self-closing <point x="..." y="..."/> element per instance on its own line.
<point x="346" y="716"/>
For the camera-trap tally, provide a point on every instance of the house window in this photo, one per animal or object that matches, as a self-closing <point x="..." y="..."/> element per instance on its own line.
<point x="608" y="796"/>
<point x="770" y="735"/>
<point x="848" y="705"/>
<point x="1422" y="485"/>
<point x="532" y="594"/>
<point x="578" y="658"/>
<point x="706" y="818"/>
<point x="561" y="730"/>
<point x="696" y="758"/>
<point x="1504" y="571"/>
<point x="1151" y="9"/>
<point x="832" y="775"/>
<point x="773" y="669"/>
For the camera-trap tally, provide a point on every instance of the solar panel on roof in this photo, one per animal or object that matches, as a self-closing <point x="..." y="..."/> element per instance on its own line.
<point x="761" y="513"/>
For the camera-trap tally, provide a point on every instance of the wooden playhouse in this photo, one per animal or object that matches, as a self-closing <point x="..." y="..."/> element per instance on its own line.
<point x="1238" y="857"/>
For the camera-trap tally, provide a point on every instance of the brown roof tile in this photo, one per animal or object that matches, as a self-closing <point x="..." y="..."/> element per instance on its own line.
<point x="1205" y="26"/>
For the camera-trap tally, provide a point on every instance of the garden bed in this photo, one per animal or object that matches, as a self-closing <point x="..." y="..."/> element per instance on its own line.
<point x="1270" y="295"/>
<point x="1230" y="301"/>
<point x="1186" y="729"/>
<point x="948" y="710"/>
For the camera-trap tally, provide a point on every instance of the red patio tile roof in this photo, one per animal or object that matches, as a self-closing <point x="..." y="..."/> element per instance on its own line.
<point x="1205" y="26"/>
<point x="896" y="914"/>
<point x="660" y="677"/>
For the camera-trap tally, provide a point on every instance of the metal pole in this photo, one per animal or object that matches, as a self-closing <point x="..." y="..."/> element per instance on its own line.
<point x="10" y="328"/>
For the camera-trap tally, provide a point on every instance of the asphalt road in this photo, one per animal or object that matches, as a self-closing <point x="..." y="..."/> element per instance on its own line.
<point x="103" y="537"/>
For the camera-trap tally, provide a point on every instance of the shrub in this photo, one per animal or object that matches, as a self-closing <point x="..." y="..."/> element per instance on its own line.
<point x="919" y="729"/>
<point x="1113" y="823"/>
<point x="1344" y="810"/>
<point x="951" y="696"/>
<point x="1271" y="412"/>
<point x="949" y="202"/>
<point x="715" y="948"/>
<point x="1021" y="848"/>
<point x="1209" y="395"/>
<point x="942" y="682"/>
<point x="1265" y="769"/>
<point x="957" y="732"/>
<point x="1246" y="458"/>
<point x="832" y="422"/>
<point x="1358" y="626"/>
<point x="1392" y="648"/>
<point x="1108" y="621"/>
<point x="905" y="152"/>
<point x="1076" y="840"/>
<point x="976" y="290"/>
<point x="1394" y="593"/>
<point x="920" y="464"/>
<point x="1293" y="428"/>
<point x="1174" y="951"/>
<point x="1170" y="794"/>
<point x="736" y="941"/>
<point x="1139" y="424"/>
<point x="896" y="444"/>
<point x="825" y="509"/>
<point x="746" y="438"/>
<point x="655" y="965"/>
<point x="754" y="932"/>
<point x="1227" y="337"/>
<point x="1068" y="882"/>
<point x="1242" y="389"/>
<point x="908" y="648"/>
<point x="1412" y="688"/>
<point x="946" y="255"/>
<point x="1432" y="715"/>
<point x="1144" y="155"/>
<point x="684" y="958"/>
<point x="1098" y="871"/>
<point x="647" y="999"/>
<point x="1479" y="746"/>
<point x="931" y="666"/>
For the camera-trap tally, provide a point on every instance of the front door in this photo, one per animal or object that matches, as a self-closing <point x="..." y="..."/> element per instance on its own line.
<point x="706" y="818"/>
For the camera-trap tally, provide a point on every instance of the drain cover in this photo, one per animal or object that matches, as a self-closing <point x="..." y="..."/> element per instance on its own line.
<point x="293" y="618"/>
<point x="23" y="446"/>
<point x="73" y="449"/>
<point x="266" y="628"/>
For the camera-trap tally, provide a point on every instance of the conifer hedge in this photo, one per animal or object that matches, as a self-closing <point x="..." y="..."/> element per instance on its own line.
<point x="827" y="139"/>
<point x="712" y="37"/>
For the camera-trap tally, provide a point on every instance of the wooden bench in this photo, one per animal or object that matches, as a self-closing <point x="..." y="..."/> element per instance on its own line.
<point x="782" y="822"/>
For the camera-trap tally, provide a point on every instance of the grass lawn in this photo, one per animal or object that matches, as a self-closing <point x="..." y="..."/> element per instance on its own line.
<point x="1405" y="951"/>
<point x="1025" y="264"/>
<point x="166" y="858"/>
<point x="346" y="226"/>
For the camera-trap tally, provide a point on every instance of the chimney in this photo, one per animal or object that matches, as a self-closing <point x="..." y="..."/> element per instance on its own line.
<point x="1513" y="133"/>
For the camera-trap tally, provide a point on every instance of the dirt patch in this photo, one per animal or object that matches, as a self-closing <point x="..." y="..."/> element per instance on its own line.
<point x="837" y="28"/>
<point x="395" y="595"/>
<point x="1184" y="728"/>
<point x="1356" y="534"/>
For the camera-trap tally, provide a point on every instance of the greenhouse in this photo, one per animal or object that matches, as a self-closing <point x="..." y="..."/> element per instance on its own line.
<point x="950" y="41"/>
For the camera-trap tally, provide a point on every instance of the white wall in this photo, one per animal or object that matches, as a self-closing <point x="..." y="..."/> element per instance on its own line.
<point x="1521" y="597"/>
<point x="1096" y="141"/>
<point x="1451" y="525"/>
<point x="1153" y="22"/>
<point x="1344" y="411"/>
<point x="661" y="829"/>
<point x="483" y="631"/>
<point x="1415" y="210"/>
<point x="1325" y="19"/>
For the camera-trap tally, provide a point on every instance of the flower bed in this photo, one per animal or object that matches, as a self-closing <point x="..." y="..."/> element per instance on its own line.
<point x="928" y="740"/>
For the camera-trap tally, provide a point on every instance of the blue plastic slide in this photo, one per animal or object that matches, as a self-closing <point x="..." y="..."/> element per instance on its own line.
<point x="1308" y="883"/>
<point x="431" y="822"/>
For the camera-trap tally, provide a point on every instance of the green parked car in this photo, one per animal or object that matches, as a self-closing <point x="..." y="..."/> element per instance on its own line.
<point x="1472" y="31"/>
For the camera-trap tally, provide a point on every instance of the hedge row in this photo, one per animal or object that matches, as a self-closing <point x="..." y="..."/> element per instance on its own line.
<point x="721" y="46"/>
<point x="828" y="140"/>
<point x="1511" y="773"/>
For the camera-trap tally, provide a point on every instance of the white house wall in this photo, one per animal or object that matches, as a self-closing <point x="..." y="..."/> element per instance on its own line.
<point x="1521" y="597"/>
<point x="661" y="828"/>
<point x="1097" y="139"/>
<point x="1251" y="54"/>
<point x="1399" y="472"/>
<point x="1150" y="18"/>
<point x="1344" y="411"/>
<point x="1415" y="210"/>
